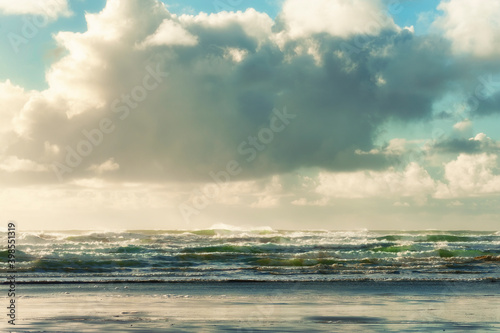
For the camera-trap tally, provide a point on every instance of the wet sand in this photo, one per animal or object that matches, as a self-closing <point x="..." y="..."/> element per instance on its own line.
<point x="259" y="307"/>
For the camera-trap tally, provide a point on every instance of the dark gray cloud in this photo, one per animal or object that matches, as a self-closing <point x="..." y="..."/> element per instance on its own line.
<point x="481" y="144"/>
<point x="457" y="146"/>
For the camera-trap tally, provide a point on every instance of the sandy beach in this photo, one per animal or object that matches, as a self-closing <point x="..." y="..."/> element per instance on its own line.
<point x="364" y="306"/>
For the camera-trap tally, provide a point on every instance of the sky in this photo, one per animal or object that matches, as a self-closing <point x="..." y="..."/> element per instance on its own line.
<point x="318" y="114"/>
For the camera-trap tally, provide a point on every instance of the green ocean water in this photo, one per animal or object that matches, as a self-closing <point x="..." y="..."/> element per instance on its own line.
<point x="261" y="254"/>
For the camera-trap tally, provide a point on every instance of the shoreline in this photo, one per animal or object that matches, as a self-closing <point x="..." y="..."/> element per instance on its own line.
<point x="311" y="288"/>
<point x="259" y="307"/>
<point x="194" y="281"/>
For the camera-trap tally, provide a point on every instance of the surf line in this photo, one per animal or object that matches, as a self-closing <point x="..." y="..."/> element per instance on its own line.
<point x="11" y="272"/>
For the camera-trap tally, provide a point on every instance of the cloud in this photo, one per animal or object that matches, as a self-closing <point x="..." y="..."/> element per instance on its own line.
<point x="469" y="176"/>
<point x="305" y="202"/>
<point x="463" y="125"/>
<point x="50" y="8"/>
<point x="251" y="23"/>
<point x="456" y="146"/>
<point x="263" y="193"/>
<point x="12" y="100"/>
<point x="414" y="181"/>
<point x="472" y="26"/>
<point x="270" y="195"/>
<point x="135" y="87"/>
<point x="15" y="164"/>
<point x="170" y="33"/>
<point x="475" y="145"/>
<point x="109" y="165"/>
<point x="337" y="18"/>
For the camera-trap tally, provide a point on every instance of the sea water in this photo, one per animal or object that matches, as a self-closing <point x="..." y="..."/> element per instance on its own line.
<point x="260" y="254"/>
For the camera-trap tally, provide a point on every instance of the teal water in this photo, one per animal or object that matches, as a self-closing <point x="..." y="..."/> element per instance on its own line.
<point x="255" y="255"/>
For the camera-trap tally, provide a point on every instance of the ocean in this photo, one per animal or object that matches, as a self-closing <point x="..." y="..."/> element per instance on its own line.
<point x="260" y="254"/>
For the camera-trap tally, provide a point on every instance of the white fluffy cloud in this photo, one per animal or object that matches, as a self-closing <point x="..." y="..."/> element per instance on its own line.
<point x="109" y="165"/>
<point x="170" y="33"/>
<point x="470" y="176"/>
<point x="48" y="8"/>
<point x="414" y="181"/>
<point x="336" y="17"/>
<point x="15" y="164"/>
<point x="463" y="125"/>
<point x="467" y="176"/>
<point x="254" y="24"/>
<point x="12" y="100"/>
<point x="472" y="26"/>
